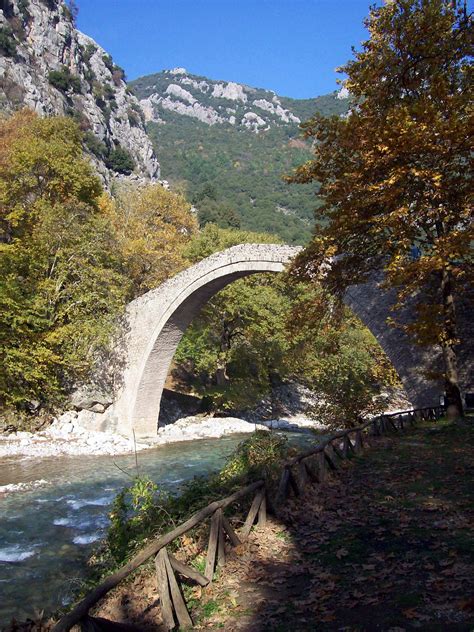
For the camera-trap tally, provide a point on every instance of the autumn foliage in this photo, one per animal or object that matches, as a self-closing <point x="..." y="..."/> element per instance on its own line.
<point x="152" y="226"/>
<point x="71" y="257"/>
<point x="396" y="173"/>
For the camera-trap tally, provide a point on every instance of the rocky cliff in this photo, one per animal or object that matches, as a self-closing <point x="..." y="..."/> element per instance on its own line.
<point x="46" y="64"/>
<point x="224" y="102"/>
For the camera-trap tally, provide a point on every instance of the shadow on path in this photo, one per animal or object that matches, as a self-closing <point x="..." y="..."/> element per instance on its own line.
<point x="385" y="544"/>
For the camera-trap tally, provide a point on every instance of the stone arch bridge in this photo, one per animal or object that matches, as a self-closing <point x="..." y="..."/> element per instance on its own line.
<point x="158" y="319"/>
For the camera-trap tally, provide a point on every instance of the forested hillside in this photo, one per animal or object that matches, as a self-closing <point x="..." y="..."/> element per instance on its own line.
<point x="227" y="146"/>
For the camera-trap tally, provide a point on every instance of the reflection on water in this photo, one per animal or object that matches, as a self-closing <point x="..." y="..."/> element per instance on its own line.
<point x="48" y="529"/>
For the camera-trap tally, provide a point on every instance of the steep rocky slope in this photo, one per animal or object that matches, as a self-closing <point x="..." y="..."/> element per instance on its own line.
<point x="226" y="102"/>
<point x="229" y="144"/>
<point x="46" y="64"/>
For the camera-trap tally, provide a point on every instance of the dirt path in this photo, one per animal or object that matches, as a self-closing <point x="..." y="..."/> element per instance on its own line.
<point x="388" y="544"/>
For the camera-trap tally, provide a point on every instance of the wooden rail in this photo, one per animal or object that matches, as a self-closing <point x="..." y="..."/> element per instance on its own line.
<point x="308" y="467"/>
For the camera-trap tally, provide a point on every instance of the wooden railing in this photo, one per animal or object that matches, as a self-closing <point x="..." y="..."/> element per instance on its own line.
<point x="311" y="466"/>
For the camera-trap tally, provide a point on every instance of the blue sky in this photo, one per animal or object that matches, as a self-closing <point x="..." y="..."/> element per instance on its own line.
<point x="290" y="46"/>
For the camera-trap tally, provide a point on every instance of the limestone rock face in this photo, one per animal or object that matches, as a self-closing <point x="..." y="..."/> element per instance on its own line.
<point x="211" y="102"/>
<point x="90" y="87"/>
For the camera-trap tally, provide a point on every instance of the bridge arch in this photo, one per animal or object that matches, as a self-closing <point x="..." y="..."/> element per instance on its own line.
<point x="158" y="319"/>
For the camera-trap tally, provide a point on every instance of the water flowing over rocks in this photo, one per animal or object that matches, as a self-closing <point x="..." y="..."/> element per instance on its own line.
<point x="97" y="96"/>
<point x="11" y="488"/>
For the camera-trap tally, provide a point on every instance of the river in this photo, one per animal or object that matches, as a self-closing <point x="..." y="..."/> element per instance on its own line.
<point x="58" y="509"/>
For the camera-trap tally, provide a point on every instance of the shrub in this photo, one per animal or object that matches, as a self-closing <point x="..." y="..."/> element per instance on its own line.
<point x="98" y="94"/>
<point x="118" y="75"/>
<point x="87" y="52"/>
<point x="7" y="42"/>
<point x="109" y="64"/>
<point x="64" y="81"/>
<point x="256" y="457"/>
<point x="70" y="10"/>
<point x="17" y="28"/>
<point x="135" y="511"/>
<point x="141" y="510"/>
<point x="80" y="118"/>
<point x="138" y="110"/>
<point x="95" y="145"/>
<point x="106" y="112"/>
<point x="121" y="161"/>
<point x="51" y="4"/>
<point x="108" y="91"/>
<point x="23" y="9"/>
<point x="89" y="75"/>
<point x="133" y="118"/>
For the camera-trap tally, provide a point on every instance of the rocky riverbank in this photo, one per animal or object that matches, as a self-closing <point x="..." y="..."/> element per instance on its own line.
<point x="67" y="436"/>
<point x="82" y="431"/>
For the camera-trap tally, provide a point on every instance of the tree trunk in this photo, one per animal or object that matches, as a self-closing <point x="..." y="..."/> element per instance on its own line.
<point x="453" y="392"/>
<point x="221" y="373"/>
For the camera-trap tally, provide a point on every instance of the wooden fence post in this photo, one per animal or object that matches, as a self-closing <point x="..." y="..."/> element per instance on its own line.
<point x="329" y="461"/>
<point x="321" y="467"/>
<point x="311" y="473"/>
<point x="262" y="512"/>
<point x="255" y="506"/>
<point x="233" y="537"/>
<point x="283" y="486"/>
<point x="164" y="590"/>
<point x="294" y="484"/>
<point x="212" y="546"/>
<point x="180" y="608"/>
<point x="347" y="446"/>
<point x="302" y="474"/>
<point x="220" y="542"/>
<point x="337" y="451"/>
<point x="187" y="571"/>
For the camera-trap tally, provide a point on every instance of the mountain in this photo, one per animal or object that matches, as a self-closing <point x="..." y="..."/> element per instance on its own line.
<point x="227" y="146"/>
<point x="46" y="64"/>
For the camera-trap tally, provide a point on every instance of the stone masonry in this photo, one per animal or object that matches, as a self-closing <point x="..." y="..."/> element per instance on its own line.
<point x="158" y="319"/>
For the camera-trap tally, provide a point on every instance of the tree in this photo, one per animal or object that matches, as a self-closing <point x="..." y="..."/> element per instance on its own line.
<point x="261" y="330"/>
<point x="61" y="289"/>
<point x="337" y="357"/>
<point x="394" y="174"/>
<point x="212" y="212"/>
<point x="152" y="227"/>
<point x="121" y="161"/>
<point x="64" y="80"/>
<point x="7" y="42"/>
<point x="234" y="345"/>
<point x="213" y="239"/>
